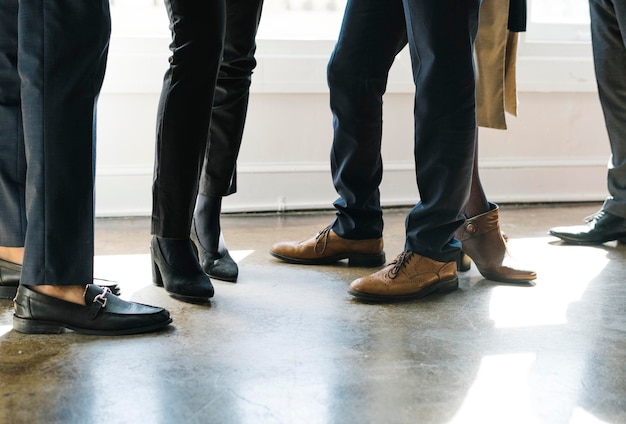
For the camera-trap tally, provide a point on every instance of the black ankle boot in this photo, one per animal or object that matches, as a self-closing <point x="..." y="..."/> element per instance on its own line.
<point x="218" y="265"/>
<point x="175" y="268"/>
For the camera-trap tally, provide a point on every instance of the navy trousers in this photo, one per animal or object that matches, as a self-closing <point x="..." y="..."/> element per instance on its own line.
<point x="608" y="36"/>
<point x="203" y="106"/>
<point x="440" y="35"/>
<point x="52" y="62"/>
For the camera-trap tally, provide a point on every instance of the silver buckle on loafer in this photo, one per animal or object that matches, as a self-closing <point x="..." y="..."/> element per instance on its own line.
<point x="99" y="303"/>
<point x="101" y="298"/>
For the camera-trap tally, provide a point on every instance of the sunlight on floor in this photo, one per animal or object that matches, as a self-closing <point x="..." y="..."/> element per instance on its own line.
<point x="500" y="392"/>
<point x="563" y="276"/>
<point x="133" y="272"/>
<point x="580" y="416"/>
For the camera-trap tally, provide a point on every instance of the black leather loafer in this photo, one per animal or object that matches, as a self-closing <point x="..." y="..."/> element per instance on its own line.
<point x="599" y="228"/>
<point x="10" y="279"/>
<point x="221" y="265"/>
<point x="104" y="314"/>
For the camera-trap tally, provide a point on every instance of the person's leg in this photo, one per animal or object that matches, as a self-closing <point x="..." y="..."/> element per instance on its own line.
<point x="441" y="36"/>
<point x="371" y="36"/>
<point x="608" y="23"/>
<point x="61" y="74"/>
<point x="496" y="92"/>
<point x="477" y="202"/>
<point x="62" y="51"/>
<point x="608" y="40"/>
<point x="184" y="112"/>
<point x="219" y="174"/>
<point x="183" y="120"/>
<point x="495" y="54"/>
<point x="12" y="158"/>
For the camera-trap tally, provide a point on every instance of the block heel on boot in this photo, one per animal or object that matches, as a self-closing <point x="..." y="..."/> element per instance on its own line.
<point x="463" y="262"/>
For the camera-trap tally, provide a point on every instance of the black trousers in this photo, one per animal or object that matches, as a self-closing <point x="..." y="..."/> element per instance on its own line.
<point x="608" y="36"/>
<point x="52" y="62"/>
<point x="440" y="36"/>
<point x="203" y="106"/>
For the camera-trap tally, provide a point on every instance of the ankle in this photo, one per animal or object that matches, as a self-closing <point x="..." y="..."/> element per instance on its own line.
<point x="207" y="221"/>
<point x="177" y="253"/>
<point x="73" y="294"/>
<point x="12" y="254"/>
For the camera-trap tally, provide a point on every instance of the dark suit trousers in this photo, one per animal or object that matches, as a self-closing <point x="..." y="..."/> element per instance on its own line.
<point x="203" y="107"/>
<point x="608" y="36"/>
<point x="440" y="35"/>
<point x="52" y="61"/>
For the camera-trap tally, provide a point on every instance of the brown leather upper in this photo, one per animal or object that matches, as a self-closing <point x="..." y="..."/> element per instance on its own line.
<point x="407" y="274"/>
<point x="327" y="244"/>
<point x="483" y="242"/>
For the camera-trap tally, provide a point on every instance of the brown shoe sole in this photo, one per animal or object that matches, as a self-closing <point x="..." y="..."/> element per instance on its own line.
<point x="354" y="259"/>
<point x="444" y="286"/>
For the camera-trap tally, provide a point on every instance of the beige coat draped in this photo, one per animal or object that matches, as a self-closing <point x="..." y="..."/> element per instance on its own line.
<point x="496" y="51"/>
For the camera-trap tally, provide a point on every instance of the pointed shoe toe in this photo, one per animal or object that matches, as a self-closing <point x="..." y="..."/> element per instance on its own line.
<point x="220" y="266"/>
<point x="223" y="268"/>
<point x="507" y="274"/>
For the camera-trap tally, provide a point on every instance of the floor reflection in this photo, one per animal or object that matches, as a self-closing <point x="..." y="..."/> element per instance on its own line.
<point x="287" y="344"/>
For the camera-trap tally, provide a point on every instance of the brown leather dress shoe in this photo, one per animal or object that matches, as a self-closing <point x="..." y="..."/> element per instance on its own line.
<point x="409" y="276"/>
<point x="327" y="247"/>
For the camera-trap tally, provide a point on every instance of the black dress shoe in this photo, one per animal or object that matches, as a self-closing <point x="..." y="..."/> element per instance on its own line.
<point x="104" y="314"/>
<point x="599" y="228"/>
<point x="220" y="265"/>
<point x="10" y="278"/>
<point x="182" y="276"/>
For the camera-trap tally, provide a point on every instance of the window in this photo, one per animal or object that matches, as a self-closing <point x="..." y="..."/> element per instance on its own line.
<point x="558" y="20"/>
<point x="296" y="38"/>
<point x="282" y="19"/>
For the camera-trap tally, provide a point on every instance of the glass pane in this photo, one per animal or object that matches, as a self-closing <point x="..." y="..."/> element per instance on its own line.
<point x="139" y="18"/>
<point x="301" y="19"/>
<point x="559" y="11"/>
<point x="282" y="19"/>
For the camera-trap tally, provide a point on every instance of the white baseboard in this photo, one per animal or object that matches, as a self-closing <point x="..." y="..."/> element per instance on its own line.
<point x="271" y="189"/>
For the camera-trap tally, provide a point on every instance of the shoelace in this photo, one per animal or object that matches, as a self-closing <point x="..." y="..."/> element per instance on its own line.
<point x="321" y="237"/>
<point x="399" y="262"/>
<point x="595" y="217"/>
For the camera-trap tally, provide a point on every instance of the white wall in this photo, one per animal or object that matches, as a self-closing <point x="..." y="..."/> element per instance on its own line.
<point x="556" y="150"/>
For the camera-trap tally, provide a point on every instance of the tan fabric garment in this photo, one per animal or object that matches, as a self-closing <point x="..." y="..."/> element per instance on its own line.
<point x="496" y="51"/>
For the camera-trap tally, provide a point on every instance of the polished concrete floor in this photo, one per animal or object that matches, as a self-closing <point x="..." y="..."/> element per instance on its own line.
<point x="287" y="344"/>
